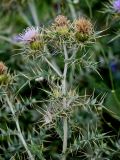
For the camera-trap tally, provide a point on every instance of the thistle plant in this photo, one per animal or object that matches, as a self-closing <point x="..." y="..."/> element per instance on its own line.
<point x="58" y="50"/>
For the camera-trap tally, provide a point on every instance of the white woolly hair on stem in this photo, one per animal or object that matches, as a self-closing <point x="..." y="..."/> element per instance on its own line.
<point x="64" y="90"/>
<point x="18" y="129"/>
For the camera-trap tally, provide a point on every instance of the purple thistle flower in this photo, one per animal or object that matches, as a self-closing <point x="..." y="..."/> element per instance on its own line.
<point x="116" y="5"/>
<point x="30" y="34"/>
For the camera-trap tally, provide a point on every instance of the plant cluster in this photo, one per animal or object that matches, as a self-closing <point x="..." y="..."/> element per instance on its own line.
<point x="52" y="106"/>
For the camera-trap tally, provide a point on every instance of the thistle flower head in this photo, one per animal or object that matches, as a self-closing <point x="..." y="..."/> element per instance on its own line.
<point x="83" y="26"/>
<point x="61" y="21"/>
<point x="116" y="5"/>
<point x="83" y="29"/>
<point x="29" y="35"/>
<point x="61" y="25"/>
<point x="3" y="68"/>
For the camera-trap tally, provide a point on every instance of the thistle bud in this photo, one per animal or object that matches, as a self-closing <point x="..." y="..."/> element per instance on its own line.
<point x="61" y="25"/>
<point x="61" y="21"/>
<point x="3" y="73"/>
<point x="83" y="29"/>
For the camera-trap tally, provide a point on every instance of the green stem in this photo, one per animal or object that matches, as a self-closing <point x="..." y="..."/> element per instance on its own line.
<point x="64" y="90"/>
<point x="65" y="131"/>
<point x="19" y="130"/>
<point x="72" y="69"/>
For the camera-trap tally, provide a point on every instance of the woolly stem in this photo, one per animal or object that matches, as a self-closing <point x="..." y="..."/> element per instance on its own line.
<point x="72" y="68"/>
<point x="65" y="130"/>
<point x="19" y="130"/>
<point x="64" y="90"/>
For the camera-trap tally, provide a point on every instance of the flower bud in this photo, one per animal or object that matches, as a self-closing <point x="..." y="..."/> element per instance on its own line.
<point x="83" y="29"/>
<point x="61" y="21"/>
<point x="3" y="73"/>
<point x="61" y="25"/>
